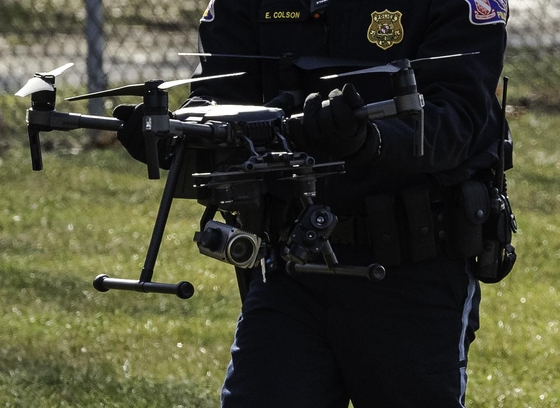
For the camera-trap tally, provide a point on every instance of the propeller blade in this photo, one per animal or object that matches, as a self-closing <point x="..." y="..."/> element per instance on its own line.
<point x="302" y="62"/>
<point x="127" y="90"/>
<point x="396" y="66"/>
<point x="139" y="89"/>
<point x="38" y="83"/>
<point x="33" y="85"/>
<point x="421" y="61"/>
<point x="171" y="84"/>
<point x="57" y="71"/>
<point x="387" y="68"/>
<point x="208" y="54"/>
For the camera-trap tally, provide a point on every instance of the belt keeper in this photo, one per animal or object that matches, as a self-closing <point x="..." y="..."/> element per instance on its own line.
<point x="351" y="230"/>
<point x="383" y="228"/>
<point x="421" y="238"/>
<point x="344" y="233"/>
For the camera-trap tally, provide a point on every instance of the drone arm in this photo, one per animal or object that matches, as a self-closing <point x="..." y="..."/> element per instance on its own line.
<point x="418" y="147"/>
<point x="212" y="131"/>
<point x="378" y="110"/>
<point x="53" y="120"/>
<point x="398" y="106"/>
<point x="41" y="120"/>
<point x="35" y="147"/>
<point x="69" y="121"/>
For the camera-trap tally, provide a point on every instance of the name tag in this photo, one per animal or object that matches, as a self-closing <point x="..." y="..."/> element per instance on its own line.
<point x="271" y="16"/>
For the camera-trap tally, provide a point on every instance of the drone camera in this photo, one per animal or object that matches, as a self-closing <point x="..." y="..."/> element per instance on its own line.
<point x="228" y="244"/>
<point x="310" y="233"/>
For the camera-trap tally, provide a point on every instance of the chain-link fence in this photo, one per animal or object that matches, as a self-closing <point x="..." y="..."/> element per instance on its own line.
<point x="126" y="41"/>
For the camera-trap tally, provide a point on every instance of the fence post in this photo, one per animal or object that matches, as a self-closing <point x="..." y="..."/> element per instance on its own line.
<point x="97" y="80"/>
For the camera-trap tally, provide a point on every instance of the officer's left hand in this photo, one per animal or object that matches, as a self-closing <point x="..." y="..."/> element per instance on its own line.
<point x="331" y="124"/>
<point x="131" y="137"/>
<point x="130" y="134"/>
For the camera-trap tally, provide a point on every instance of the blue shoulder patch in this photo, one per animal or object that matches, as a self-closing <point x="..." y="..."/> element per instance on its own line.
<point x="488" y="11"/>
<point x="208" y="15"/>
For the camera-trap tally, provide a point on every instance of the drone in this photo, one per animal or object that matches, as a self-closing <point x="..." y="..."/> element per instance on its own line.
<point x="252" y="141"/>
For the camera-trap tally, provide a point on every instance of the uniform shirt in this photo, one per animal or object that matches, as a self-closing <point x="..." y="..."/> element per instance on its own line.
<point x="462" y="114"/>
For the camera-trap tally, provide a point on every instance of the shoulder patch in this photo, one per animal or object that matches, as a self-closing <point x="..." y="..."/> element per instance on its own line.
<point x="208" y="15"/>
<point x="488" y="11"/>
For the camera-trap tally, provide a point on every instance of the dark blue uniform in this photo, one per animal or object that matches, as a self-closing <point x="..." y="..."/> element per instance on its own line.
<point x="320" y="341"/>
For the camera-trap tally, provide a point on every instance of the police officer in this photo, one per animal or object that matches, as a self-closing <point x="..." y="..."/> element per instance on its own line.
<point x="313" y="340"/>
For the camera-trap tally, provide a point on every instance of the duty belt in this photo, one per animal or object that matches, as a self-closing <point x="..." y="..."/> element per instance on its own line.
<point x="406" y="226"/>
<point x="399" y="227"/>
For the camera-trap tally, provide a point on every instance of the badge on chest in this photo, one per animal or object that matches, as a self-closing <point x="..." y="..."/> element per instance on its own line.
<point x="385" y="29"/>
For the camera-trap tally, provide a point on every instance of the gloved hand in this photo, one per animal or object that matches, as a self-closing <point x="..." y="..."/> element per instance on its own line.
<point x="284" y="101"/>
<point x="331" y="124"/>
<point x="130" y="135"/>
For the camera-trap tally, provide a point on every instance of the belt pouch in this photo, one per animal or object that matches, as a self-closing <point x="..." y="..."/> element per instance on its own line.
<point x="383" y="228"/>
<point x="421" y="238"/>
<point x="468" y="209"/>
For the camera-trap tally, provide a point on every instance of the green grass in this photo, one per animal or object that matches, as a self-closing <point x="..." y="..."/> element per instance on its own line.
<point x="516" y="359"/>
<point x="534" y="77"/>
<point x="64" y="344"/>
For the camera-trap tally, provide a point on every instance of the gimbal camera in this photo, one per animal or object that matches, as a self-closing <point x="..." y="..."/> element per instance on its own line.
<point x="226" y="157"/>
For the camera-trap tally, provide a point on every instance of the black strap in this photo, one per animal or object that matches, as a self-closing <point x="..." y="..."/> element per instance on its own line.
<point x="384" y="230"/>
<point x="421" y="238"/>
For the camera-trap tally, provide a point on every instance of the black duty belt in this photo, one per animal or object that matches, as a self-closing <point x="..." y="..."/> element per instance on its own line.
<point x="406" y="226"/>
<point x="398" y="228"/>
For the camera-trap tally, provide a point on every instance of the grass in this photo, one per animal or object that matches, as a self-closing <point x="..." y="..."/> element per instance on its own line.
<point x="64" y="344"/>
<point x="535" y="75"/>
<point x="515" y="360"/>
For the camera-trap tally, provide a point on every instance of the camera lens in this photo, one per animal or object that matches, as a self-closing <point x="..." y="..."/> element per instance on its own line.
<point x="321" y="219"/>
<point x="310" y="238"/>
<point x="241" y="249"/>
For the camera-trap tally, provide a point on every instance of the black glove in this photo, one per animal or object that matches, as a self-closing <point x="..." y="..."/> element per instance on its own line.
<point x="284" y="101"/>
<point x="130" y="135"/>
<point x="331" y="124"/>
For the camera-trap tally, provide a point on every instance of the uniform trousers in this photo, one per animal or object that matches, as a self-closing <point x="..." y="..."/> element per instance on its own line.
<point x="320" y="341"/>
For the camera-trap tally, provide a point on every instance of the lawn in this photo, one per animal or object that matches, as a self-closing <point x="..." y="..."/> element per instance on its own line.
<point x="89" y="212"/>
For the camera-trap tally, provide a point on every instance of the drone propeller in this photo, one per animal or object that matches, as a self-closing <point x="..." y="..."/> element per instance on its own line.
<point x="40" y="83"/>
<point x="140" y="89"/>
<point x="396" y="66"/>
<point x="317" y="62"/>
<point x="305" y="62"/>
<point x="208" y="54"/>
